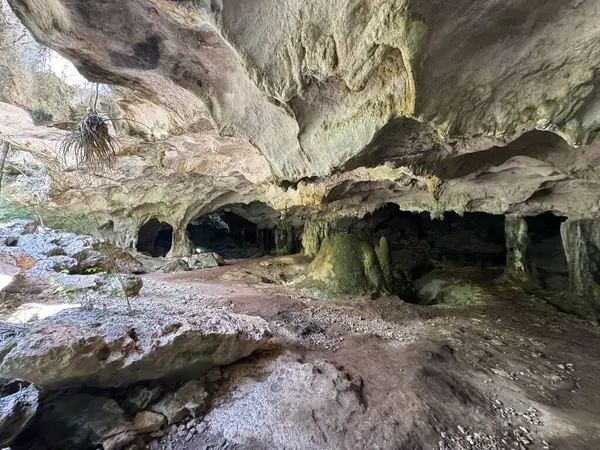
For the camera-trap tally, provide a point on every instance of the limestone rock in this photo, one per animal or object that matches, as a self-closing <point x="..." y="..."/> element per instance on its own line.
<point x="18" y="405"/>
<point x="56" y="264"/>
<point x="394" y="60"/>
<point x="203" y="261"/>
<point x="177" y="265"/>
<point x="141" y="397"/>
<point x="8" y="270"/>
<point x="581" y="240"/>
<point x="344" y="265"/>
<point x="149" y="422"/>
<point x="112" y="349"/>
<point x="385" y="262"/>
<point x="519" y="267"/>
<point x="108" y="254"/>
<point x="315" y="231"/>
<point x="81" y="421"/>
<point x="460" y="286"/>
<point x="189" y="400"/>
<point x="124" y="285"/>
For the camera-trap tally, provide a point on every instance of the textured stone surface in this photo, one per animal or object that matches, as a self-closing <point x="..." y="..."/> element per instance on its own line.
<point x="461" y="286"/>
<point x="110" y="349"/>
<point x="81" y="421"/>
<point x="347" y="106"/>
<point x="149" y="422"/>
<point x="314" y="83"/>
<point x="204" y="261"/>
<point x="18" y="405"/>
<point x="344" y="265"/>
<point x="518" y="260"/>
<point x="123" y="285"/>
<point x="140" y="397"/>
<point x="581" y="240"/>
<point x="292" y="405"/>
<point x="187" y="401"/>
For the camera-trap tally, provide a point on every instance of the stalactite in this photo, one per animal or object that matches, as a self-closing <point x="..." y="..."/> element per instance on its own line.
<point x="314" y="233"/>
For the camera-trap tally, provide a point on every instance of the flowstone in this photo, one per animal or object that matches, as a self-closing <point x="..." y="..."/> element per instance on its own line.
<point x="315" y="231"/>
<point x="344" y="265"/>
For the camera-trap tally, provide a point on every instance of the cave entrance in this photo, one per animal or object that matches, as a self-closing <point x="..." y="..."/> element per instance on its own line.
<point x="474" y="239"/>
<point x="155" y="238"/>
<point x="418" y="244"/>
<point x="236" y="231"/>
<point x="546" y="251"/>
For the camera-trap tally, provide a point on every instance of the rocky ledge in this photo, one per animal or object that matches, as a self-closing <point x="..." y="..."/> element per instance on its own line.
<point x="110" y="349"/>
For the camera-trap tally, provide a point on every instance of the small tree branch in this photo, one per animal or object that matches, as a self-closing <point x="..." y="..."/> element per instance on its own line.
<point x="3" y="156"/>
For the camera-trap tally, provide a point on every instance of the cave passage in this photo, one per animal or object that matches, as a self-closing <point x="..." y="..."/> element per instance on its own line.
<point x="474" y="239"/>
<point x="235" y="231"/>
<point x="155" y="238"/>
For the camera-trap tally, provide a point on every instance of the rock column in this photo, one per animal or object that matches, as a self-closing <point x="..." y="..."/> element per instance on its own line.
<point x="315" y="231"/>
<point x="581" y="241"/>
<point x="181" y="245"/>
<point x="284" y="239"/>
<point x="518" y="266"/>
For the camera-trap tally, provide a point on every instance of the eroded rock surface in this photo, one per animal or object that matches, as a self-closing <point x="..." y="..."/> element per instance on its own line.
<point x="81" y="421"/>
<point x="18" y="405"/>
<point x="344" y="265"/>
<point x="76" y="348"/>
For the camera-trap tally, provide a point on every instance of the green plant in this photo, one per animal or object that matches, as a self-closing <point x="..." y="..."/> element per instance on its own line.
<point x="93" y="270"/>
<point x="66" y="293"/>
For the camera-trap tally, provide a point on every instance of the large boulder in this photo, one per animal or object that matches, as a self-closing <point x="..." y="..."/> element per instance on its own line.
<point x="123" y="285"/>
<point x="344" y="265"/>
<point x="204" y="261"/>
<point x="56" y="264"/>
<point x="18" y="405"/>
<point x="111" y="349"/>
<point x="454" y="286"/>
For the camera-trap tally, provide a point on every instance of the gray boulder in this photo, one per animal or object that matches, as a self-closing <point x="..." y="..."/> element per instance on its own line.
<point x="110" y="349"/>
<point x="18" y="405"/>
<point x="189" y="400"/>
<point x="141" y="397"/>
<point x="122" y="284"/>
<point x="55" y="264"/>
<point x="204" y="261"/>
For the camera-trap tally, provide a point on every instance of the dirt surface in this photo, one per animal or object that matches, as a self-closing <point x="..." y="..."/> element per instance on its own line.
<point x="510" y="372"/>
<point x="505" y="372"/>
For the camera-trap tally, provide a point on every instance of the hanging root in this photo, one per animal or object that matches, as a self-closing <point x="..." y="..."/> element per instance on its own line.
<point x="90" y="144"/>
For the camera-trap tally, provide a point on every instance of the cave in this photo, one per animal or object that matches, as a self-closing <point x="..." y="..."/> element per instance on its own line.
<point x="546" y="251"/>
<point x="155" y="238"/>
<point x="473" y="239"/>
<point x="237" y="231"/>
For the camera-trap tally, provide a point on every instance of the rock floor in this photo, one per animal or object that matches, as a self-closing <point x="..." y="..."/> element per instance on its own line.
<point x="509" y="372"/>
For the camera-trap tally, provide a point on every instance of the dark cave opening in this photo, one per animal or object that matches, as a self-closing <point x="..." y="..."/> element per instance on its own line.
<point x="235" y="231"/>
<point x="418" y="244"/>
<point x="546" y="251"/>
<point x="155" y="238"/>
<point x="473" y="239"/>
